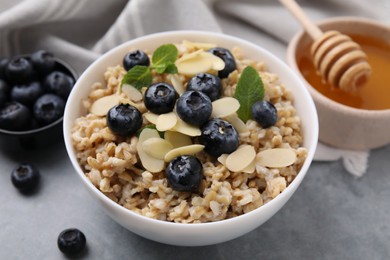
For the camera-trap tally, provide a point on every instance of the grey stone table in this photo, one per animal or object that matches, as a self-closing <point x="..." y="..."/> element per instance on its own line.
<point x="331" y="216"/>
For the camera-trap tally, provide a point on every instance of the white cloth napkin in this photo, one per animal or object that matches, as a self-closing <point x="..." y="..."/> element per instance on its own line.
<point x="79" y="31"/>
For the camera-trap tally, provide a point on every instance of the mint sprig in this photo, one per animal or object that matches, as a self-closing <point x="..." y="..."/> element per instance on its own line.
<point x="163" y="61"/>
<point x="249" y="90"/>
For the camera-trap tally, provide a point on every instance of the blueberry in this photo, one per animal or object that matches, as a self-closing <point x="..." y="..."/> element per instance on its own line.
<point x="228" y="58"/>
<point x="27" y="93"/>
<point x="15" y="116"/>
<point x="43" y="61"/>
<point x="218" y="137"/>
<point x="4" y="91"/>
<point x="124" y="120"/>
<point x="19" y="70"/>
<point x="3" y="64"/>
<point x="71" y="241"/>
<point x="136" y="57"/>
<point x="264" y="113"/>
<point x="25" y="177"/>
<point x="184" y="173"/>
<point x="194" y="107"/>
<point x="160" y="98"/>
<point x="206" y="83"/>
<point x="59" y="83"/>
<point x="48" y="108"/>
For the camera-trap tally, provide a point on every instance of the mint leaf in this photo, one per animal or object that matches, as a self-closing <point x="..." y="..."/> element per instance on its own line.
<point x="138" y="76"/>
<point x="249" y="90"/>
<point x="164" y="57"/>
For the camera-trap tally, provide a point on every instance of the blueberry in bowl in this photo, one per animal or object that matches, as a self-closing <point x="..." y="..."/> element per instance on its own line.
<point x="33" y="92"/>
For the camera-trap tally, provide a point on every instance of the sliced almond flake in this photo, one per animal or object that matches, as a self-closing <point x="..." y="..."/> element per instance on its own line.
<point x="148" y="162"/>
<point x="177" y="139"/>
<point x="222" y="158"/>
<point x="166" y="121"/>
<point x="237" y="123"/>
<point x="187" y="129"/>
<point x="194" y="66"/>
<point x="189" y="56"/>
<point x="276" y="158"/>
<point x="217" y="63"/>
<point x="151" y="117"/>
<point x="132" y="93"/>
<point x="176" y="83"/>
<point x="101" y="106"/>
<point x="224" y="107"/>
<point x="184" y="150"/>
<point x="157" y="147"/>
<point x="241" y="158"/>
<point x="251" y="167"/>
<point x="199" y="45"/>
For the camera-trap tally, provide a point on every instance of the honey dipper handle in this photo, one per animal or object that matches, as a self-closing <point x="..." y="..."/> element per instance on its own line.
<point x="304" y="20"/>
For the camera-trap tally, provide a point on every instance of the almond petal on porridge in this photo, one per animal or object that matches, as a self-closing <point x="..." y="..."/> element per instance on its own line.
<point x="224" y="107"/>
<point x="166" y="121"/>
<point x="237" y="123"/>
<point x="101" y="106"/>
<point x="217" y="63"/>
<point x="157" y="147"/>
<point x="151" y="117"/>
<point x="199" y="45"/>
<point x="241" y="158"/>
<point x="176" y="83"/>
<point x="222" y="158"/>
<point x="177" y="139"/>
<point x="187" y="129"/>
<point x="276" y="158"/>
<point x="188" y="56"/>
<point x="132" y="93"/>
<point x="148" y="162"/>
<point x="251" y="167"/>
<point x="184" y="150"/>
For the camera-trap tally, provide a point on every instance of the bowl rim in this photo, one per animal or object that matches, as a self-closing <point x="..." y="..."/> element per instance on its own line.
<point x="281" y="198"/>
<point x="291" y="54"/>
<point x="52" y="124"/>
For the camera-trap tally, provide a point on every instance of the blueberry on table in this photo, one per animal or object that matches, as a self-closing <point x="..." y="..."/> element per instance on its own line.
<point x="219" y="137"/>
<point x="3" y="64"/>
<point x="264" y="113"/>
<point x="136" y="57"/>
<point x="160" y="98"/>
<point x="48" y="108"/>
<point x="15" y="116"/>
<point x="71" y="241"/>
<point x="59" y="83"/>
<point x="194" y="107"/>
<point x="124" y="120"/>
<point x="19" y="70"/>
<point x="184" y="173"/>
<point x="43" y="61"/>
<point x="25" y="177"/>
<point x="228" y="58"/>
<point x="27" y="93"/>
<point x="206" y="83"/>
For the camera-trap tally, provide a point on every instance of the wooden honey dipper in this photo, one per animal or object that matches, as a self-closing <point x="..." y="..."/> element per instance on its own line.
<point x="339" y="60"/>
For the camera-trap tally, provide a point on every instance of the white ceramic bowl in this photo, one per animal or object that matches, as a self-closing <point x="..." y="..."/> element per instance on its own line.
<point x="205" y="233"/>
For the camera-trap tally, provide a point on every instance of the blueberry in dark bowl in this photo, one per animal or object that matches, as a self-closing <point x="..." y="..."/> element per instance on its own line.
<point x="43" y="61"/>
<point x="228" y="58"/>
<point x="136" y="57"/>
<point x="4" y="92"/>
<point x="25" y="177"/>
<point x="160" y="98"/>
<point x="59" y="83"/>
<point x="264" y="113"/>
<point x="194" y="107"/>
<point x="48" y="108"/>
<point x="207" y="83"/>
<point x="19" y="70"/>
<point x="3" y="64"/>
<point x="71" y="241"/>
<point x="184" y="173"/>
<point x="27" y="93"/>
<point x="219" y="137"/>
<point x="124" y="120"/>
<point x="15" y="116"/>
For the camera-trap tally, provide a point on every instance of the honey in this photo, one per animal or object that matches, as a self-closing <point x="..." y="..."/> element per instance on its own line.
<point x="374" y="94"/>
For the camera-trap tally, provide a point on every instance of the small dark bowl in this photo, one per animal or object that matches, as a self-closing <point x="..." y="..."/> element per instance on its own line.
<point x="42" y="136"/>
